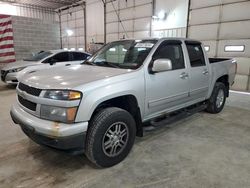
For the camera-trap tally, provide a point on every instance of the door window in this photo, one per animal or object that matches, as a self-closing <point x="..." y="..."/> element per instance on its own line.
<point x="78" y="56"/>
<point x="172" y="52"/>
<point x="196" y="55"/>
<point x="61" y="57"/>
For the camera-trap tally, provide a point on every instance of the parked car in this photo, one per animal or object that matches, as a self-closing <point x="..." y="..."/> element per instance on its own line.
<point x="42" y="60"/>
<point x="101" y="105"/>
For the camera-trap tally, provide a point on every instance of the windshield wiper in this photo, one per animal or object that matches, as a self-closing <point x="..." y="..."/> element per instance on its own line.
<point x="88" y="63"/>
<point x="110" y="64"/>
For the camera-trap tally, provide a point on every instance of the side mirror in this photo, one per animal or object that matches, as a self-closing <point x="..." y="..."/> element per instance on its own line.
<point x="161" y="65"/>
<point x="52" y="61"/>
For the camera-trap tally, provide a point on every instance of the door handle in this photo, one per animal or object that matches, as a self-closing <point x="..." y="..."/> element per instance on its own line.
<point x="183" y="75"/>
<point x="205" y="72"/>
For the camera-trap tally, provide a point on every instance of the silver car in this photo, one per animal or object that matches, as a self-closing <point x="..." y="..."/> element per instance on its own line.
<point x="9" y="73"/>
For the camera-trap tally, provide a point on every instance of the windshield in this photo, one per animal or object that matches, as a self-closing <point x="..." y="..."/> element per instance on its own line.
<point x="127" y="54"/>
<point x="38" y="56"/>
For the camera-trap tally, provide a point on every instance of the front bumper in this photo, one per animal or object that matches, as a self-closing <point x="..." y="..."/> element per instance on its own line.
<point x="9" y="78"/>
<point x="53" y="134"/>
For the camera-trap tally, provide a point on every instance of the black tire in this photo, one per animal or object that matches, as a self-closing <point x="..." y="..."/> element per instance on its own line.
<point x="100" y="124"/>
<point x="213" y="107"/>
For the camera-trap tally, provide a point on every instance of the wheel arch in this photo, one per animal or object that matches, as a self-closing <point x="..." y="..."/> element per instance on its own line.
<point x="225" y="80"/>
<point x="127" y="102"/>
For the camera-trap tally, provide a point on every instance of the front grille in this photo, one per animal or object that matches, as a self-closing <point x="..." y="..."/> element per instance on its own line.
<point x="29" y="90"/>
<point x="27" y="104"/>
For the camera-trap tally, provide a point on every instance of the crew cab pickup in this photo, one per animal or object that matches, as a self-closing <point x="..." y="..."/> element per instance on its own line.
<point x="100" y="106"/>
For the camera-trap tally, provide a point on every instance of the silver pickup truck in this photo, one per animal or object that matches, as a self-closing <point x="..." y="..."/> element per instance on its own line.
<point x="127" y="87"/>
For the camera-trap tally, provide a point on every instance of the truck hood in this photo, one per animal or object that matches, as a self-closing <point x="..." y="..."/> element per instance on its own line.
<point x="69" y="77"/>
<point x="19" y="64"/>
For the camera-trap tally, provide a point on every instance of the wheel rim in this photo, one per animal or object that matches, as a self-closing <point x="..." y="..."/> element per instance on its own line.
<point x="220" y="98"/>
<point x="115" y="139"/>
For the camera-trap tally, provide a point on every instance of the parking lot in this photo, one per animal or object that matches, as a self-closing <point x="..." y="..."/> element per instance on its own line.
<point x="203" y="150"/>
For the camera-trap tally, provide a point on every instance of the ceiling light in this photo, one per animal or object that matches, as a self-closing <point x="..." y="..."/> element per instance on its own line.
<point x="162" y="15"/>
<point x="69" y="32"/>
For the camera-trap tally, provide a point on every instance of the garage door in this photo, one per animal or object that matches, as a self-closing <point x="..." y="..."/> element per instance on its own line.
<point x="128" y="19"/>
<point x="72" y="28"/>
<point x="223" y="26"/>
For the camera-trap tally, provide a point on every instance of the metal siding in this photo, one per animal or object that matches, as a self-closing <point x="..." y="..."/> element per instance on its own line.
<point x="204" y="16"/>
<point x="73" y="19"/>
<point x="203" y="32"/>
<point x="218" y="23"/>
<point x="234" y="12"/>
<point x="223" y="43"/>
<point x="135" y="19"/>
<point x="203" y="3"/>
<point x="235" y="30"/>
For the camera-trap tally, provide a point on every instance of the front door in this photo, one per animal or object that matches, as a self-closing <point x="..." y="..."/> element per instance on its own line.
<point x="167" y="90"/>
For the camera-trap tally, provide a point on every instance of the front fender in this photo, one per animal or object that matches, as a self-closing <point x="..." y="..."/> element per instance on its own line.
<point x="92" y="98"/>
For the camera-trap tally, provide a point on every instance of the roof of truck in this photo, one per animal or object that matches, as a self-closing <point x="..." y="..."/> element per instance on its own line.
<point x="162" y="38"/>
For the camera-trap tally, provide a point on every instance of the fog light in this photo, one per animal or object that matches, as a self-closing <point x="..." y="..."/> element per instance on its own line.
<point x="59" y="114"/>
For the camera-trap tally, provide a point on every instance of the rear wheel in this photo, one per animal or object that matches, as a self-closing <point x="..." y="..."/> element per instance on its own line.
<point x="110" y="137"/>
<point x="217" y="100"/>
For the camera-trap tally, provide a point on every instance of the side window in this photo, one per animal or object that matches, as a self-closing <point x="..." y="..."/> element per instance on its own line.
<point x="196" y="55"/>
<point x="77" y="56"/>
<point x="173" y="52"/>
<point x="61" y="57"/>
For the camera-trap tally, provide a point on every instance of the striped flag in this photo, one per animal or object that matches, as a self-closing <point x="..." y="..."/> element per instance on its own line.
<point x="7" y="52"/>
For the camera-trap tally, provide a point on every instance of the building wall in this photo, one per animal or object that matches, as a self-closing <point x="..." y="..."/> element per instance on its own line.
<point x="176" y="21"/>
<point x="33" y="35"/>
<point x="136" y="17"/>
<point x="222" y="23"/>
<point x="128" y="19"/>
<point x="31" y="12"/>
<point x="95" y="21"/>
<point x="73" y="19"/>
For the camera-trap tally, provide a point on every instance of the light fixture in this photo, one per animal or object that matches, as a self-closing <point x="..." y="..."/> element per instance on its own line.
<point x="69" y="32"/>
<point x="72" y="49"/>
<point x="80" y="49"/>
<point x="162" y="15"/>
<point x="235" y="48"/>
<point x="207" y="48"/>
<point x="65" y="48"/>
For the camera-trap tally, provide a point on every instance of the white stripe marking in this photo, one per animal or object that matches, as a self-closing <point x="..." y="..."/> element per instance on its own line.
<point x="6" y="27"/>
<point x="6" y="35"/>
<point x="7" y="58"/>
<point x="7" y="50"/>
<point x="6" y="42"/>
<point x="5" y="19"/>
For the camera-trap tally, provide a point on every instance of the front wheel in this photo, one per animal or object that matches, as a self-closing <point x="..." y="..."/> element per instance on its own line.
<point x="110" y="137"/>
<point x="218" y="98"/>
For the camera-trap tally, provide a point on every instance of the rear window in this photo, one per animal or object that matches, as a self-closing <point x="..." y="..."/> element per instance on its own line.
<point x="39" y="56"/>
<point x="196" y="55"/>
<point x="77" y="56"/>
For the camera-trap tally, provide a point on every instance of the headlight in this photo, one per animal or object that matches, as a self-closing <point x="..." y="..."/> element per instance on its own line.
<point x="62" y="95"/>
<point x="59" y="114"/>
<point x="17" y="69"/>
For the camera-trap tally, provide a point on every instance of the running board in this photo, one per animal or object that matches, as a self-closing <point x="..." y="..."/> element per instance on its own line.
<point x="173" y="117"/>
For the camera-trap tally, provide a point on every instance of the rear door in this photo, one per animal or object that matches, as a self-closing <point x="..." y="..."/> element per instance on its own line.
<point x="166" y="91"/>
<point x="199" y="72"/>
<point x="78" y="56"/>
